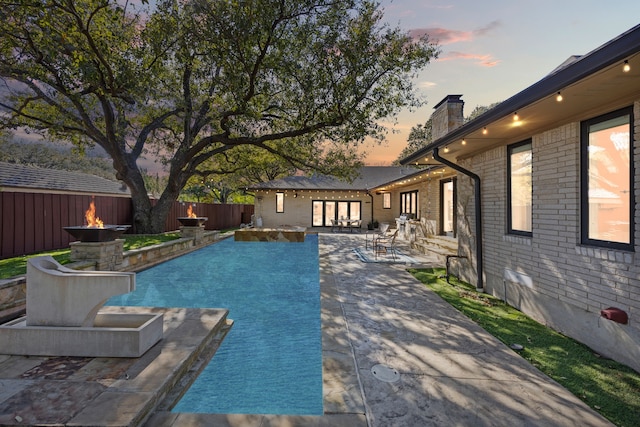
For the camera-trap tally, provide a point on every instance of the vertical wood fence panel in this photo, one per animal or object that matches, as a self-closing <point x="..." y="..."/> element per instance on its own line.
<point x="33" y="222"/>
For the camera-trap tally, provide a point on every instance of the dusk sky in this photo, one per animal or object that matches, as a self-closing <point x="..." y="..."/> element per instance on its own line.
<point x="493" y="49"/>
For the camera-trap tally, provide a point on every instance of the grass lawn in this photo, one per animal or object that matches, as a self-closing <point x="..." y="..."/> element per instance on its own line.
<point x="609" y="387"/>
<point x="17" y="266"/>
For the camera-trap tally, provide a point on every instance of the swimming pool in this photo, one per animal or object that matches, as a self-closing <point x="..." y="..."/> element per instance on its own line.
<point x="271" y="360"/>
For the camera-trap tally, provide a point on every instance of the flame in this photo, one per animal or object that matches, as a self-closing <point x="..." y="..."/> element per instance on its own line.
<point x="92" y="219"/>
<point x="191" y="213"/>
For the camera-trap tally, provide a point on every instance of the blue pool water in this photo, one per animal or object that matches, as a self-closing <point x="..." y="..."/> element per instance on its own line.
<point x="271" y="360"/>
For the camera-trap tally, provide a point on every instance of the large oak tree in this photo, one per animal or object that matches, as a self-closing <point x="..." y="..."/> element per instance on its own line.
<point x="187" y="80"/>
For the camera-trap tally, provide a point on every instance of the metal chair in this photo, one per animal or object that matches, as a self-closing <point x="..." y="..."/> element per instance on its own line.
<point x="386" y="244"/>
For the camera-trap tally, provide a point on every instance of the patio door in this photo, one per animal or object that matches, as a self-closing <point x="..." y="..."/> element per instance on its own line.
<point x="448" y="216"/>
<point x="326" y="210"/>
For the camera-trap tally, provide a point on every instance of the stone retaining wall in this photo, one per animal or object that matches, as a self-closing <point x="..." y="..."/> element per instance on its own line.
<point x="13" y="291"/>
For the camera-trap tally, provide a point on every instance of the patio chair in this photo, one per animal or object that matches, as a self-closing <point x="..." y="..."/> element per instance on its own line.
<point x="381" y="232"/>
<point x="355" y="225"/>
<point x="336" y="225"/>
<point x="386" y="244"/>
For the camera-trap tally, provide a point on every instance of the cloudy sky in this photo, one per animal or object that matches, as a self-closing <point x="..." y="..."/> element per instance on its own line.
<point x="493" y="49"/>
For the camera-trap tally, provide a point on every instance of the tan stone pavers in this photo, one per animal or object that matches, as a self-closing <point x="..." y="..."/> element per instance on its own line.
<point x="80" y="391"/>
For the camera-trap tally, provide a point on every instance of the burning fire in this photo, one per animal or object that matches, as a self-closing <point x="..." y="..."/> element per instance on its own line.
<point x="191" y="213"/>
<point x="91" y="218"/>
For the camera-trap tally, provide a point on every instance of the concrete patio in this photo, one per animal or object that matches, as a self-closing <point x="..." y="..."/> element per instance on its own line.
<point x="394" y="354"/>
<point x="450" y="372"/>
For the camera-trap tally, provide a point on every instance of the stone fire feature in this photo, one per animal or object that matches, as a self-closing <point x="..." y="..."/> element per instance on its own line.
<point x="196" y="233"/>
<point x="106" y="255"/>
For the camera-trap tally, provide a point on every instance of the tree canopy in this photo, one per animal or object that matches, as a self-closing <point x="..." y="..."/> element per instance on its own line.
<point x="190" y="81"/>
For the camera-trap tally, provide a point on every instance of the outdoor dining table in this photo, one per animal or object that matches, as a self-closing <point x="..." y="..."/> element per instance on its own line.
<point x="348" y="222"/>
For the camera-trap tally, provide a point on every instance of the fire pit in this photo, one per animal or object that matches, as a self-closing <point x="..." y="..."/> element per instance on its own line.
<point x="95" y="234"/>
<point x="192" y="220"/>
<point x="95" y="230"/>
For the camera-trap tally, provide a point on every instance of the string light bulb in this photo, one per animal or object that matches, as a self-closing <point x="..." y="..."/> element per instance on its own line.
<point x="516" y="117"/>
<point x="464" y="142"/>
<point x="446" y="149"/>
<point x="485" y="131"/>
<point x="559" y="97"/>
<point x="626" y="67"/>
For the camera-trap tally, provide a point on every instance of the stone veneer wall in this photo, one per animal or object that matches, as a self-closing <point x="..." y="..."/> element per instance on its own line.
<point x="551" y="276"/>
<point x="447" y="116"/>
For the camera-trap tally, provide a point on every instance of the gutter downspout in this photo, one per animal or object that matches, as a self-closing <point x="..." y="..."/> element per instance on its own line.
<point x="478" y="203"/>
<point x="371" y="196"/>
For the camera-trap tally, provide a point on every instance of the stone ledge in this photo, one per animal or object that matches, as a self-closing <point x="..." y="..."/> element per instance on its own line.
<point x="110" y="391"/>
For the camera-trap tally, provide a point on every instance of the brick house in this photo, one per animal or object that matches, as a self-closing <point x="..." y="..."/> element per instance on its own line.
<point x="313" y="201"/>
<point x="547" y="196"/>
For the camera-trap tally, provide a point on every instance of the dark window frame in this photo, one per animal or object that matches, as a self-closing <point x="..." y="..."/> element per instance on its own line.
<point x="453" y="180"/>
<point x="510" y="150"/>
<point x="386" y="197"/>
<point x="405" y="198"/>
<point x="335" y="216"/>
<point x="279" y="193"/>
<point x="584" y="182"/>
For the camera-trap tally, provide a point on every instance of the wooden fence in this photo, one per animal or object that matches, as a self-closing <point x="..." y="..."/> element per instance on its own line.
<point x="33" y="222"/>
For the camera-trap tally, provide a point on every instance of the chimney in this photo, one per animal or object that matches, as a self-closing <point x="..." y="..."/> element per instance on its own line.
<point x="447" y="116"/>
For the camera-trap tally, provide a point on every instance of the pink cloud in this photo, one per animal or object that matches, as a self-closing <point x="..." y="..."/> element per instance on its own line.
<point x="447" y="36"/>
<point x="483" y="60"/>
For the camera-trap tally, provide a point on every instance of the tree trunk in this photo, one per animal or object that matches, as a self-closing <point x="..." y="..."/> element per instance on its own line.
<point x="148" y="218"/>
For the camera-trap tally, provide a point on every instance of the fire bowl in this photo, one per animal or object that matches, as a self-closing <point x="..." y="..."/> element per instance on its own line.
<point x="192" y="222"/>
<point x="95" y="234"/>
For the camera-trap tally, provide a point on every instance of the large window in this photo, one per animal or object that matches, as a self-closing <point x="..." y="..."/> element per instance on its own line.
<point x="519" y="188"/>
<point x="607" y="180"/>
<point x="326" y="210"/>
<point x="409" y="202"/>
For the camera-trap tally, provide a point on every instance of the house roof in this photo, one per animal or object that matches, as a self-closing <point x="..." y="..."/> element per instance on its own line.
<point x="53" y="180"/>
<point x="590" y="84"/>
<point x="369" y="177"/>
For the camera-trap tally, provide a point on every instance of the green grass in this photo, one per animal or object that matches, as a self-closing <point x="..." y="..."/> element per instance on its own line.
<point x="609" y="387"/>
<point x="17" y="266"/>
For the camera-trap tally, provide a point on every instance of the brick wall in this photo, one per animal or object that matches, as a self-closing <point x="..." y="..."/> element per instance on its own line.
<point x="550" y="275"/>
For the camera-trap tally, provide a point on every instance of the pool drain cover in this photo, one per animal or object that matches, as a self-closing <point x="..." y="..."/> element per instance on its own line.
<point x="385" y="373"/>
